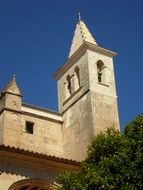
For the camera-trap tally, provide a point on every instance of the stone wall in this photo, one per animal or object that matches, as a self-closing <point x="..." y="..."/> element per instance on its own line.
<point x="47" y="134"/>
<point x="104" y="112"/>
<point x="78" y="129"/>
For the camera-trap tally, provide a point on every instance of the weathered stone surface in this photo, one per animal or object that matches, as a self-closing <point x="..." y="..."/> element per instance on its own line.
<point x="87" y="106"/>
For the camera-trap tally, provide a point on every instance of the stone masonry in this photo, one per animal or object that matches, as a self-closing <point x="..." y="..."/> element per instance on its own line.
<point x="37" y="143"/>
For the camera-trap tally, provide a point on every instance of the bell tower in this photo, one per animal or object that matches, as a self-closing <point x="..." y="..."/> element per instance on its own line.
<point x="86" y="92"/>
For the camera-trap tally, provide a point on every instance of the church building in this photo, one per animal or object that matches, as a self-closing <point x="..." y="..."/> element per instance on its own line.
<point x="37" y="144"/>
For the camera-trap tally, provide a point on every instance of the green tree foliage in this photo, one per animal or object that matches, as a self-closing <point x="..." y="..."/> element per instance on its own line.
<point x="114" y="162"/>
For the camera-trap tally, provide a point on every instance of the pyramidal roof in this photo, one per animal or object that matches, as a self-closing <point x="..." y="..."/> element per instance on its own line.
<point x="81" y="35"/>
<point x="12" y="87"/>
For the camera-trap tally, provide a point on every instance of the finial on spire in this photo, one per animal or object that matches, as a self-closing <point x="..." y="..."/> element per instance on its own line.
<point x="79" y="16"/>
<point x="14" y="77"/>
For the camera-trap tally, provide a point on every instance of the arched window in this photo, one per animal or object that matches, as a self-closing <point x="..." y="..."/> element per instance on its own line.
<point x="68" y="87"/>
<point x="100" y="72"/>
<point x="76" y="79"/>
<point x="31" y="184"/>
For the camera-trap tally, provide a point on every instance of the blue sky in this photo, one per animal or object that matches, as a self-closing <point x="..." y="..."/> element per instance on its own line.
<point x="35" y="38"/>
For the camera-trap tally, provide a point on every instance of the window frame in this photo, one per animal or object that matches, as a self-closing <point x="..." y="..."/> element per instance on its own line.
<point x="29" y="127"/>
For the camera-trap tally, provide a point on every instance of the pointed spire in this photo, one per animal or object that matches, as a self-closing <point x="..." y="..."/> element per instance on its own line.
<point x="12" y="87"/>
<point x="81" y="35"/>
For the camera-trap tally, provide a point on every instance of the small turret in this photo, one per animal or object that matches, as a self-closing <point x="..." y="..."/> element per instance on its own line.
<point x="10" y="114"/>
<point x="11" y="96"/>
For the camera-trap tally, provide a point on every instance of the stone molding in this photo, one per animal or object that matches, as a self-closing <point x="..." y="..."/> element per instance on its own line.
<point x="28" y="184"/>
<point x="77" y="55"/>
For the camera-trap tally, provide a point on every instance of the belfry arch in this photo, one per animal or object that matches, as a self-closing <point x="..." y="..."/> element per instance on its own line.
<point x="31" y="184"/>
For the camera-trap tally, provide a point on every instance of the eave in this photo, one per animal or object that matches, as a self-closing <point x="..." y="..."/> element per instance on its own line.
<point x="33" y="154"/>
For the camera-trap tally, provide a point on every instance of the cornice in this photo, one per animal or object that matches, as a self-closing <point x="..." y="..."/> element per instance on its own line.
<point x="11" y="110"/>
<point x="80" y="52"/>
<point x="41" y="109"/>
<point x="3" y="94"/>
